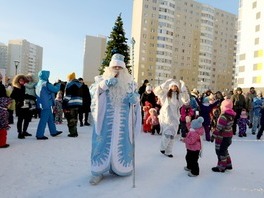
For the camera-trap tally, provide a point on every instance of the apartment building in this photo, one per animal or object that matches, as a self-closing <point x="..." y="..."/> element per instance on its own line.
<point x="250" y="45"/>
<point x="28" y="57"/>
<point x="184" y="40"/>
<point x="94" y="53"/>
<point x="3" y="56"/>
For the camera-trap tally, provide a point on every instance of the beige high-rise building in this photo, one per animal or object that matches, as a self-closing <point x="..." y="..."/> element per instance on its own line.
<point x="3" y="56"/>
<point x="28" y="55"/>
<point x="184" y="40"/>
<point x="93" y="56"/>
<point x="250" y="45"/>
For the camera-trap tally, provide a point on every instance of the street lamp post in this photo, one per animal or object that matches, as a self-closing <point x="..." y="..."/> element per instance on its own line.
<point x="16" y="65"/>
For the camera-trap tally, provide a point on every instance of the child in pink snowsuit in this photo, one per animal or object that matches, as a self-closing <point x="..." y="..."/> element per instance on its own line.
<point x="193" y="144"/>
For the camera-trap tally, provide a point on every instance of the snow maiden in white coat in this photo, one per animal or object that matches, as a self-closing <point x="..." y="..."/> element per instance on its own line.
<point x="172" y="95"/>
<point x="112" y="100"/>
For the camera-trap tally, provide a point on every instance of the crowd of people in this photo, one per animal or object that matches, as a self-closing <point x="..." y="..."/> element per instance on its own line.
<point x="120" y="110"/>
<point x="26" y="98"/>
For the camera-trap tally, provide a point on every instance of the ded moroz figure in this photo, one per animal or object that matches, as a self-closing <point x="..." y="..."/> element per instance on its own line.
<point x="112" y="99"/>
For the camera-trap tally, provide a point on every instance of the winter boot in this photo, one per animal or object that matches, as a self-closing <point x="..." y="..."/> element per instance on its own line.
<point x="217" y="169"/>
<point x="20" y="136"/>
<point x="96" y="179"/>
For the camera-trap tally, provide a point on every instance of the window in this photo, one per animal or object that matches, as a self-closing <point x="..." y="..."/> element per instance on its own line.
<point x="258" y="53"/>
<point x="256" y="79"/>
<point x="254" y="5"/>
<point x="256" y="41"/>
<point x="242" y="56"/>
<point x="240" y="81"/>
<point x="241" y="69"/>
<point x="257" y="66"/>
<point x="257" y="28"/>
<point x="258" y="15"/>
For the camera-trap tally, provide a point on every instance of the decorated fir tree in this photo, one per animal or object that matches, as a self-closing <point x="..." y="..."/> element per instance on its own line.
<point x="117" y="43"/>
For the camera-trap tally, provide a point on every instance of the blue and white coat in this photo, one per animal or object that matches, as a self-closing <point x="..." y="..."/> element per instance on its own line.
<point x="112" y="144"/>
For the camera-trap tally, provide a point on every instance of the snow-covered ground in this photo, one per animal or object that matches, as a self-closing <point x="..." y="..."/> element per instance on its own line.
<point x="60" y="167"/>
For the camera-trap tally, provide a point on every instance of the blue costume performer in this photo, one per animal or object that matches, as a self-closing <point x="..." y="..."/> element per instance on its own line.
<point x="45" y="99"/>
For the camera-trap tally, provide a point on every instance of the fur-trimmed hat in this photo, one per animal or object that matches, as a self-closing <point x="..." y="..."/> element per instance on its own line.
<point x="117" y="60"/>
<point x="195" y="92"/>
<point x="197" y="123"/>
<point x="71" y="76"/>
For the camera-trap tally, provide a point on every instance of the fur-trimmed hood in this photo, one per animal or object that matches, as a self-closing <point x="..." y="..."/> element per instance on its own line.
<point x="15" y="82"/>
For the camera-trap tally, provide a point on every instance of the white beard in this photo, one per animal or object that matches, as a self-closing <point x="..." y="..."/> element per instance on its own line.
<point x="118" y="92"/>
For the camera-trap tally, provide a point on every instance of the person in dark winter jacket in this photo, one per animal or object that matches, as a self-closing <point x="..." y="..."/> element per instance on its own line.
<point x="86" y="104"/>
<point x="23" y="114"/>
<point x="239" y="103"/>
<point x="223" y="136"/>
<point x="45" y="92"/>
<point x="149" y="97"/>
<point x="142" y="89"/>
<point x="205" y="110"/>
<point x="71" y="103"/>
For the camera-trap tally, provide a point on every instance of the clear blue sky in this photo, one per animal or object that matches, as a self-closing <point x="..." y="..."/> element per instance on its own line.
<point x="60" y="26"/>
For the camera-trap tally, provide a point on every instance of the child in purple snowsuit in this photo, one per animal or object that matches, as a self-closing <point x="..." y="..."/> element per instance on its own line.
<point x="243" y="121"/>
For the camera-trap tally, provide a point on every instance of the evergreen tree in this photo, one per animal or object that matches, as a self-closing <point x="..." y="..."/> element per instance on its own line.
<point x="117" y="43"/>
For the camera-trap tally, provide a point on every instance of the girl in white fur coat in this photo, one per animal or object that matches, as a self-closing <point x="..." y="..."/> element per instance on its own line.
<point x="172" y="96"/>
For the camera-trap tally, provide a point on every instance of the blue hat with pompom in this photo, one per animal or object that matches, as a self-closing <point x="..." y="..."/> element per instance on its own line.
<point x="197" y="123"/>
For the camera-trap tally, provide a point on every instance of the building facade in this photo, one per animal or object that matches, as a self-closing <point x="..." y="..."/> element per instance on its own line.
<point x="94" y="53"/>
<point x="27" y="54"/>
<point x="184" y="40"/>
<point x="250" y="45"/>
<point x="3" y="56"/>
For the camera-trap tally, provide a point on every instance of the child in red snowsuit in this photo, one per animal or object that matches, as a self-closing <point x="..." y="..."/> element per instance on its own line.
<point x="4" y="102"/>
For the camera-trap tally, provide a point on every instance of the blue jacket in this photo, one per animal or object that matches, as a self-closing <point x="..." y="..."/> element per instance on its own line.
<point x="257" y="104"/>
<point x="45" y="90"/>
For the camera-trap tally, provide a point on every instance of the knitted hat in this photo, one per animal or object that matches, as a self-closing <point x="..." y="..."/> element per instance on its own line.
<point x="243" y="114"/>
<point x="226" y="104"/>
<point x="71" y="76"/>
<point x="117" y="60"/>
<point x="206" y="100"/>
<point x="197" y="123"/>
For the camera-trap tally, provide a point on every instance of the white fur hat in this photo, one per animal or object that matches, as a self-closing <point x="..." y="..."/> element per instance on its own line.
<point x="117" y="60"/>
<point x="174" y="83"/>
